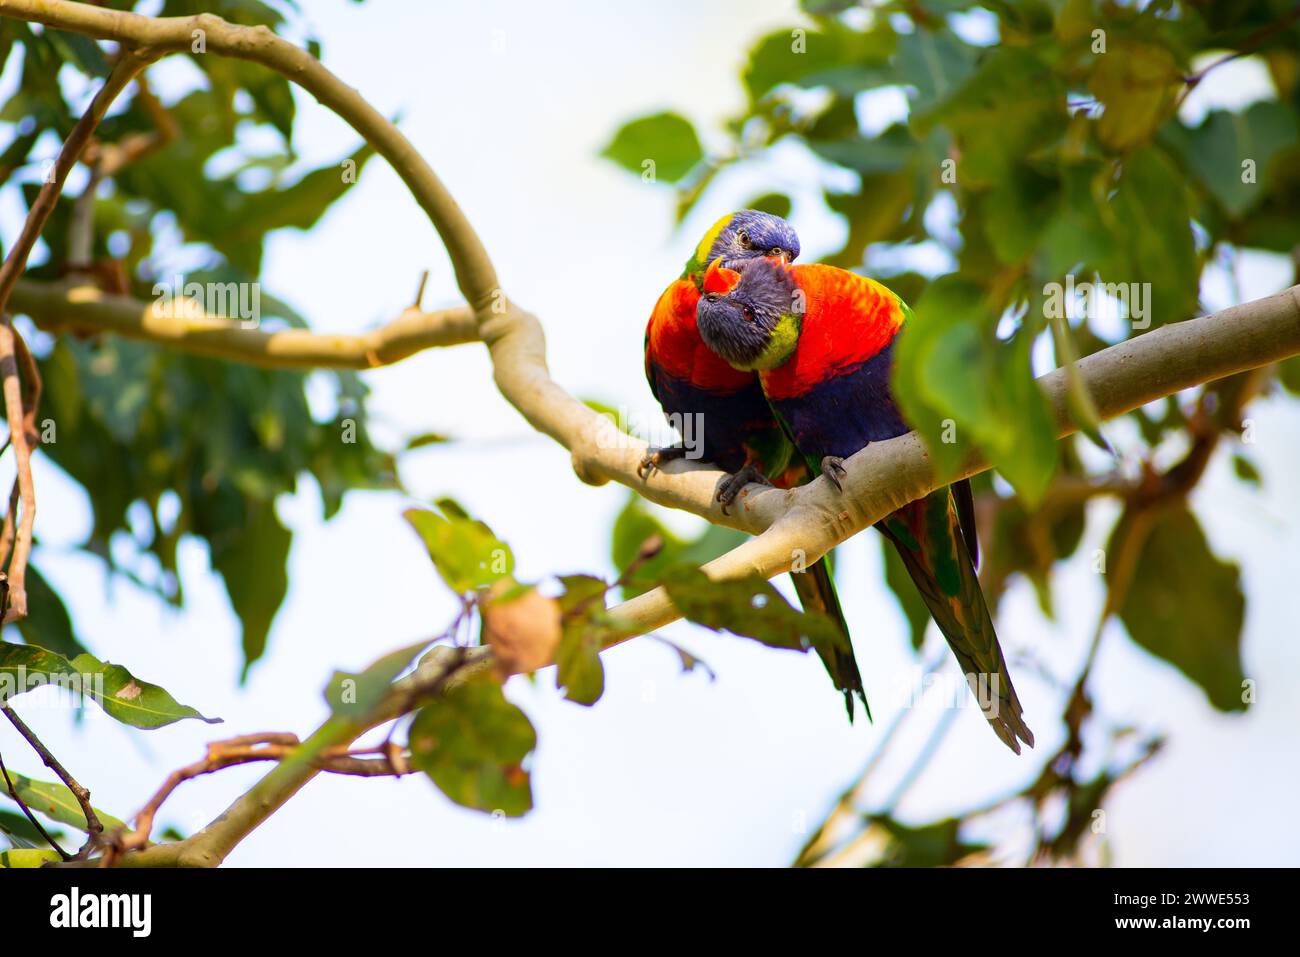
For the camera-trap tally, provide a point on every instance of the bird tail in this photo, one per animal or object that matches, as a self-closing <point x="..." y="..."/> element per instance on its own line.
<point x="928" y="536"/>
<point x="816" y="590"/>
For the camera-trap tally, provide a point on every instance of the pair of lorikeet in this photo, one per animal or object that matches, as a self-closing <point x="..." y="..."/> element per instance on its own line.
<point x="789" y="369"/>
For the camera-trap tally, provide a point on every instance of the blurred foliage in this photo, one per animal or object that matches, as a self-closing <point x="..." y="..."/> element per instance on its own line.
<point x="466" y="553"/>
<point x="167" y="445"/>
<point x="1032" y="148"/>
<point x="472" y="743"/>
<point x="638" y="522"/>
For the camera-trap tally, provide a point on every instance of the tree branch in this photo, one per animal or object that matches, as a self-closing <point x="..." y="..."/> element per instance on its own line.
<point x="56" y="306"/>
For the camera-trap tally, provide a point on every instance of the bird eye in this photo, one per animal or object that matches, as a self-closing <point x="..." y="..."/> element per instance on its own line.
<point x="742" y="237"/>
<point x="747" y="313"/>
<point x="777" y="251"/>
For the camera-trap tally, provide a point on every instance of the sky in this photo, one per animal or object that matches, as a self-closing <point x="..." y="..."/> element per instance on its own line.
<point x="511" y="104"/>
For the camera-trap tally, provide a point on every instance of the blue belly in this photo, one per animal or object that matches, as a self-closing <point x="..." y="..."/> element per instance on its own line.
<point x="726" y="422"/>
<point x="841" y="415"/>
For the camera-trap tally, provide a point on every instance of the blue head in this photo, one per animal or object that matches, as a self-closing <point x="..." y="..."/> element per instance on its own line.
<point x="740" y="237"/>
<point x="756" y="325"/>
<point x="750" y="234"/>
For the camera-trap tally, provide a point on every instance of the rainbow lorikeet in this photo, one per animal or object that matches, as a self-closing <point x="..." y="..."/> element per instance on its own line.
<point x="821" y="340"/>
<point x="736" y="431"/>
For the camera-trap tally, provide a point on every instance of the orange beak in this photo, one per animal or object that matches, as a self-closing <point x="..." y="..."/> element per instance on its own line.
<point x="719" y="280"/>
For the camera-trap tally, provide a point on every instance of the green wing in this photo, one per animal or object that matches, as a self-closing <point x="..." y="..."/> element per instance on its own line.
<point x="929" y="538"/>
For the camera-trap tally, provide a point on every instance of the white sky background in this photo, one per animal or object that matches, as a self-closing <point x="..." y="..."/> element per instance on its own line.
<point x="667" y="769"/>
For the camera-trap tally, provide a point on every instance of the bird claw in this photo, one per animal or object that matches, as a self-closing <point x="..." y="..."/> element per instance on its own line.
<point x="834" y="470"/>
<point x="655" y="459"/>
<point x="732" y="485"/>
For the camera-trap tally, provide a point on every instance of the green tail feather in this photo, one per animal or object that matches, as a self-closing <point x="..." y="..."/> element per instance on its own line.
<point x="816" y="590"/>
<point x="929" y="538"/>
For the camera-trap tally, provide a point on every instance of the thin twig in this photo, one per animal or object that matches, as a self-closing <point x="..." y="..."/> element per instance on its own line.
<point x="419" y="291"/>
<point x="33" y="387"/>
<point x="13" y="793"/>
<point x="248" y="749"/>
<point x="106" y="160"/>
<point x="130" y="64"/>
<point x="10" y="526"/>
<point x="1247" y="46"/>
<point x="93" y="825"/>
<point x="15" y="413"/>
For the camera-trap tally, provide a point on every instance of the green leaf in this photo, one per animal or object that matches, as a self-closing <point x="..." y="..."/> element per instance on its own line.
<point x="26" y="667"/>
<point x="1003" y="120"/>
<point x="749" y="607"/>
<point x="125" y="697"/>
<point x="270" y="91"/>
<point x="962" y="389"/>
<point x="887" y="152"/>
<point x="300" y="205"/>
<point x="931" y="845"/>
<point x="17" y="152"/>
<point x="352" y="695"/>
<point x="935" y="63"/>
<point x="472" y="742"/>
<point x="666" y="139"/>
<point x="876" y="213"/>
<point x="426" y="438"/>
<point x="254" y="568"/>
<point x="579" y="670"/>
<point x="79" y="50"/>
<point x="55" y="801"/>
<point x="1245" y="470"/>
<point x="835" y="56"/>
<point x="1137" y="82"/>
<point x="639" y="521"/>
<point x="1136" y="231"/>
<point x="19" y="831"/>
<point x="1083" y="410"/>
<point x="273" y="96"/>
<point x="28" y="857"/>
<point x="1288" y="373"/>
<point x="1216" y="150"/>
<point x="1185" y="605"/>
<point x="130" y="700"/>
<point x="466" y="553"/>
